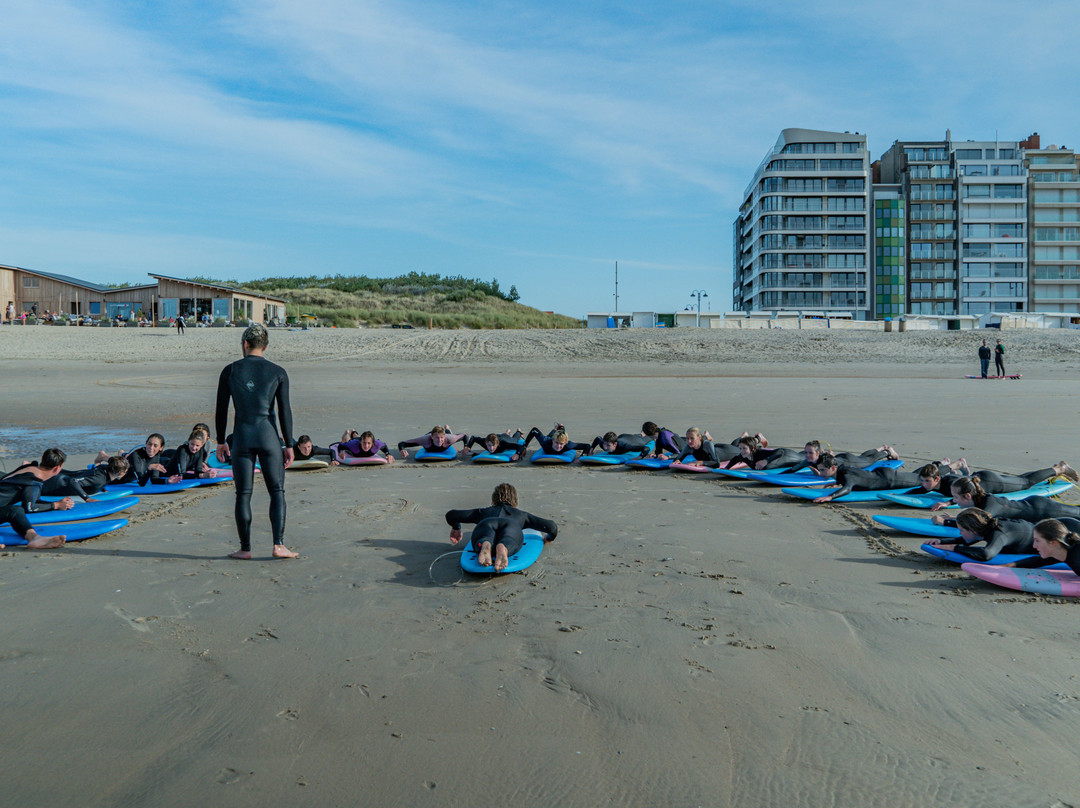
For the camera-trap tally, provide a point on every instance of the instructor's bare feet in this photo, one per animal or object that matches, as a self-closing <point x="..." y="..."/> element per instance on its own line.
<point x="36" y="542"/>
<point x="483" y="558"/>
<point x="281" y="551"/>
<point x="243" y="555"/>
<point x="501" y="557"/>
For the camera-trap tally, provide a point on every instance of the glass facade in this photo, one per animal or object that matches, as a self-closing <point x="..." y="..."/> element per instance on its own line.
<point x="890" y="294"/>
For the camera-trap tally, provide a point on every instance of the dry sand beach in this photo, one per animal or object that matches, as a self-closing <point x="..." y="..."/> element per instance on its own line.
<point x="684" y="642"/>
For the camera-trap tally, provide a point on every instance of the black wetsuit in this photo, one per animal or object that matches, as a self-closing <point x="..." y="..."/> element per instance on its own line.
<point x="189" y="465"/>
<point x="705" y="452"/>
<point x="545" y="442"/>
<point x="995" y="482"/>
<point x="19" y="493"/>
<point x="1072" y="555"/>
<point x="1012" y="536"/>
<point x="1032" y="509"/>
<point x="257" y="386"/>
<point x="849" y="459"/>
<point x="999" y="359"/>
<point x="514" y="443"/>
<point x="83" y="484"/>
<point x="316" y="452"/>
<point x="774" y="458"/>
<point x="501" y="524"/>
<point x="880" y="479"/>
<point x="668" y="442"/>
<point x="139" y="463"/>
<point x="627" y="443"/>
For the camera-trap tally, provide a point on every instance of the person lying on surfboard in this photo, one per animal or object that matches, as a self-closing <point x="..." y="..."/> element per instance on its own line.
<point x="812" y="453"/>
<point x="855" y="479"/>
<point x="495" y="444"/>
<point x="754" y="454"/>
<point x="438" y="439"/>
<point x="554" y="442"/>
<point x="499" y="528"/>
<point x="85" y="482"/>
<point x="999" y="535"/>
<point x="698" y="450"/>
<point x="621" y="444"/>
<point x="362" y="444"/>
<point x="1056" y="541"/>
<point x="305" y="449"/>
<point x="967" y="492"/>
<point x="993" y="482"/>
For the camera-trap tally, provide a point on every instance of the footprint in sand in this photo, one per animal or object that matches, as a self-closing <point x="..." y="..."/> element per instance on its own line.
<point x="229" y="776"/>
<point x="289" y="714"/>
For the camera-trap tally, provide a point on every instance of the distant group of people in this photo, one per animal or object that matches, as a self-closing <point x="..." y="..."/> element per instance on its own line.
<point x="999" y="359"/>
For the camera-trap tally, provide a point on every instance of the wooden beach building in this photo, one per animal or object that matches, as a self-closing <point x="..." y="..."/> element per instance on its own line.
<point x="164" y="299"/>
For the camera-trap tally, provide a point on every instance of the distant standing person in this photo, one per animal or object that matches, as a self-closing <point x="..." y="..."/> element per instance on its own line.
<point x="257" y="387"/>
<point x="984" y="358"/>
<point x="999" y="358"/>
<point x="180" y="327"/>
<point x="10" y="312"/>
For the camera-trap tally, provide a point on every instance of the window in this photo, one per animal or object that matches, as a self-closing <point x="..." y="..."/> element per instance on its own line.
<point x="976" y="191"/>
<point x="809" y="148"/>
<point x="1008" y="191"/>
<point x="846" y="203"/>
<point x="915" y="154"/>
<point x="29" y="282"/>
<point x="937" y="154"/>
<point x="974" y="170"/>
<point x="976" y="231"/>
<point x="802" y="299"/>
<point x="1006" y="154"/>
<point x="847" y="222"/>
<point x="792" y="165"/>
<point x="976" y="289"/>
<point x="847" y="299"/>
<point x="969" y="154"/>
<point x="841" y="165"/>
<point x="851" y="148"/>
<point x="847" y="242"/>
<point x="1008" y="231"/>
<point x="977" y="270"/>
<point x="1014" y="289"/>
<point x="846" y="261"/>
<point x="853" y="184"/>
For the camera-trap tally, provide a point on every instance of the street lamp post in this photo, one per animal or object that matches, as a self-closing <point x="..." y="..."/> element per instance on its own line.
<point x="699" y="293"/>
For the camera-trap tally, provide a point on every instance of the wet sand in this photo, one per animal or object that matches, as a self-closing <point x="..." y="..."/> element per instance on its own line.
<point x="684" y="642"/>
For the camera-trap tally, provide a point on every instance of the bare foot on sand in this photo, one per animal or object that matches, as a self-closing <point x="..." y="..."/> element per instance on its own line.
<point x="483" y="558"/>
<point x="501" y="557"/>
<point x="36" y="542"/>
<point x="281" y="551"/>
<point x="243" y="555"/>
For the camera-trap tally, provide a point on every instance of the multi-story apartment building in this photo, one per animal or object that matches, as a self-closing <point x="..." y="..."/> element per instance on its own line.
<point x="801" y="240"/>
<point x="1054" y="229"/>
<point x="992" y="187"/>
<point x="924" y="173"/>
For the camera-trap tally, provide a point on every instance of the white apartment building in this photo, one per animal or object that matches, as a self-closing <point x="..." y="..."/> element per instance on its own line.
<point x="802" y="237"/>
<point x="992" y="189"/>
<point x="1054" y="229"/>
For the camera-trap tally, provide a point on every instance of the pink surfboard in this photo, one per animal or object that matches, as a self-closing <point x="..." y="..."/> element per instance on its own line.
<point x="349" y="460"/>
<point x="687" y="468"/>
<point x="1061" y="583"/>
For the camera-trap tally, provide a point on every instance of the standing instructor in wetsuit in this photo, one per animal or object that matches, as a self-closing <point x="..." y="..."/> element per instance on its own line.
<point x="256" y="386"/>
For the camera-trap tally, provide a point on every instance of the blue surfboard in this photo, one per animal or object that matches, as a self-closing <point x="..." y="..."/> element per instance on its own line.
<point x="808" y="477"/>
<point x="854" y="496"/>
<point x="496" y="457"/>
<point x="738" y="474"/>
<point x="917" y="527"/>
<point x="928" y="500"/>
<point x="427" y="456"/>
<point x="150" y="488"/>
<point x="1000" y="558"/>
<point x="522" y="559"/>
<point x="651" y="463"/>
<point x="543" y="458"/>
<point x="82" y="510"/>
<point x="605" y="459"/>
<point x="101" y="496"/>
<point x="76" y="531"/>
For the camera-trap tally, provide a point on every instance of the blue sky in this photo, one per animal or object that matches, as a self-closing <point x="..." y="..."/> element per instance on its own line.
<point x="535" y="143"/>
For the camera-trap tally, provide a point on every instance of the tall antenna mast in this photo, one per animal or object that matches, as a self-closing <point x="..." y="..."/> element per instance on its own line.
<point x="616" y="286"/>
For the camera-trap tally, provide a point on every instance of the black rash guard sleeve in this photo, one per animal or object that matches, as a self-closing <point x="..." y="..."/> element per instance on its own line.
<point x="1072" y="560"/>
<point x="221" y="410"/>
<point x="1012" y="536"/>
